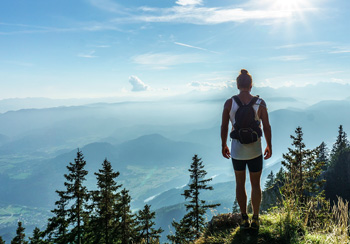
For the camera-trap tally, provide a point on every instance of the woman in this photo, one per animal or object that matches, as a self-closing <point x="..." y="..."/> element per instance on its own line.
<point x="246" y="154"/>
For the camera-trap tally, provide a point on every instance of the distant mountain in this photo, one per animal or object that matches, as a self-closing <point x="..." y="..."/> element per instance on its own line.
<point x="146" y="153"/>
<point x="157" y="150"/>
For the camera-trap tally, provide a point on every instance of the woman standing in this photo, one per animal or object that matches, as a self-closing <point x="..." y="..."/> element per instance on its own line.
<point x="246" y="152"/>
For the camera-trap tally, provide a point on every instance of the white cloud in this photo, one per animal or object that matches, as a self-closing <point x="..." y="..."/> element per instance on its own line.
<point x="190" y="46"/>
<point x="137" y="84"/>
<point x="306" y="44"/>
<point x="164" y="60"/>
<point x="87" y="55"/>
<point x="205" y="86"/>
<point x="289" y="58"/>
<point x="340" y="81"/>
<point x="189" y="2"/>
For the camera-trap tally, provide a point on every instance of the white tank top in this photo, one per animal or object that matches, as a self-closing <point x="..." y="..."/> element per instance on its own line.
<point x="244" y="151"/>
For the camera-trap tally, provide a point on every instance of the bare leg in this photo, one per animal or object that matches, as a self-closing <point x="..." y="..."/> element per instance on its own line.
<point x="241" y="194"/>
<point x="256" y="191"/>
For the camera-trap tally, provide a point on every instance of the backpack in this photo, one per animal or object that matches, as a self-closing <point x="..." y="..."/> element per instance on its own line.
<point x="246" y="129"/>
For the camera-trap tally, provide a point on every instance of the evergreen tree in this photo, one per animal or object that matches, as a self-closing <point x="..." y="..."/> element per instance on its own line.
<point x="126" y="230"/>
<point x="295" y="165"/>
<point x="280" y="177"/>
<point x="270" y="180"/>
<point x="57" y="226"/>
<point x="77" y="195"/>
<point x="184" y="232"/>
<point x="19" y="238"/>
<point x="341" y="142"/>
<point x="235" y="207"/>
<point x="338" y="177"/>
<point x="194" y="220"/>
<point x="104" y="201"/>
<point x="2" y="241"/>
<point x="302" y="189"/>
<point x="147" y="233"/>
<point x="322" y="155"/>
<point x="37" y="237"/>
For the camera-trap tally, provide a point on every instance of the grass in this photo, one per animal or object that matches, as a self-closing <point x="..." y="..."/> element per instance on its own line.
<point x="279" y="227"/>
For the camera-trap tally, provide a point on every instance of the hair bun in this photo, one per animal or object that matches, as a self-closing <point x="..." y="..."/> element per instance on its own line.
<point x="244" y="71"/>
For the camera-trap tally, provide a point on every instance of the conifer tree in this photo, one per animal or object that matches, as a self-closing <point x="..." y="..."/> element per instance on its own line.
<point x="147" y="232"/>
<point x="37" y="237"/>
<point x="2" y="241"/>
<point x="341" y="142"/>
<point x="77" y="195"/>
<point x="104" y="201"/>
<point x="303" y="184"/>
<point x="235" y="207"/>
<point x="57" y="226"/>
<point x="126" y="230"/>
<point x="196" y="207"/>
<point x="19" y="238"/>
<point x="280" y="177"/>
<point x="322" y="151"/>
<point x="295" y="165"/>
<point x="184" y="231"/>
<point x="270" y="180"/>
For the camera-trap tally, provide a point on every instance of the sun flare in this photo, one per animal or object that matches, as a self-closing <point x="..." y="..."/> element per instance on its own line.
<point x="289" y="5"/>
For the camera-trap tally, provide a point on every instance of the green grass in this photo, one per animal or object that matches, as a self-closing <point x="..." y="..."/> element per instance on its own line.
<point x="275" y="228"/>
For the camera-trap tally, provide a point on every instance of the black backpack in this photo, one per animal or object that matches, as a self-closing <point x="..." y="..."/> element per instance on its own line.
<point x="246" y="128"/>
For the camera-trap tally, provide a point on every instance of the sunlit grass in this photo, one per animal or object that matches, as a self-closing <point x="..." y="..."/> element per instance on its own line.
<point x="283" y="226"/>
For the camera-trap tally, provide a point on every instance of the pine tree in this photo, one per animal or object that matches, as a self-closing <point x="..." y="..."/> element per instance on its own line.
<point x="126" y="230"/>
<point x="270" y="180"/>
<point x="37" y="237"/>
<point x="57" y="226"/>
<point x="196" y="207"/>
<point x="338" y="177"/>
<point x="19" y="238"/>
<point x="322" y="155"/>
<point x="295" y="165"/>
<point x="147" y="233"/>
<point x="2" y="241"/>
<point x="77" y="195"/>
<point x="302" y="188"/>
<point x="341" y="142"/>
<point x="235" y="207"/>
<point x="280" y="177"/>
<point x="104" y="202"/>
<point x="184" y="231"/>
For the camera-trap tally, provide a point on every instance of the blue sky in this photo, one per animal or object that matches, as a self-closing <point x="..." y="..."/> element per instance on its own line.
<point x="109" y="48"/>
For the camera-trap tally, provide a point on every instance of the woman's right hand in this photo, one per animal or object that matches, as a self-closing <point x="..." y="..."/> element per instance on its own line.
<point x="226" y="152"/>
<point x="268" y="152"/>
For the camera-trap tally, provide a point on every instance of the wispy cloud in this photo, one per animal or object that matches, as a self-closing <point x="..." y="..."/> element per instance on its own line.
<point x="205" y="86"/>
<point x="209" y="16"/>
<point x="289" y="58"/>
<point x="87" y="55"/>
<point x="341" y="49"/>
<point x="165" y="60"/>
<point x="306" y="44"/>
<point x="189" y="2"/>
<point x="190" y="46"/>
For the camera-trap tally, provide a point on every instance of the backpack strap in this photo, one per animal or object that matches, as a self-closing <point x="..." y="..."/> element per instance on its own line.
<point x="238" y="101"/>
<point x="253" y="101"/>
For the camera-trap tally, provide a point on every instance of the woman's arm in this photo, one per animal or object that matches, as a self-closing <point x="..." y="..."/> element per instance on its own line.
<point x="224" y="129"/>
<point x="263" y="115"/>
